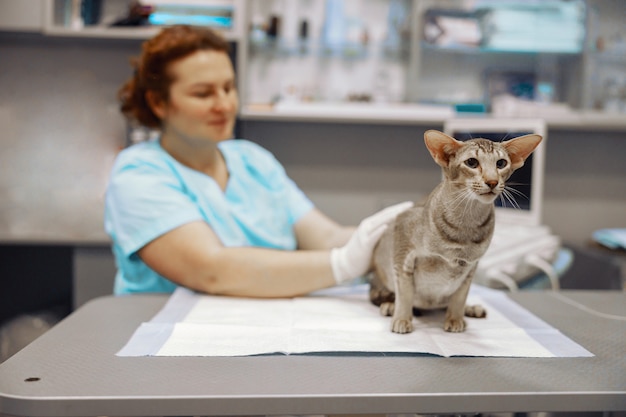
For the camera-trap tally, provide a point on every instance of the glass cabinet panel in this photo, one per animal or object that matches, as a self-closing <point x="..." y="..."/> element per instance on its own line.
<point x="307" y="51"/>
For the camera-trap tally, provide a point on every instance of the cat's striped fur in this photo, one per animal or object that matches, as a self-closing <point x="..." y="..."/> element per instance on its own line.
<point x="426" y="259"/>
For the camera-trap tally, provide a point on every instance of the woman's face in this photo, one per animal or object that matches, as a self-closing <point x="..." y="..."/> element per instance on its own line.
<point x="203" y="98"/>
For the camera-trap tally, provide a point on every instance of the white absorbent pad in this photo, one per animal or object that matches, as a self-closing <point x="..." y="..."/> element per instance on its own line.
<point x="339" y="321"/>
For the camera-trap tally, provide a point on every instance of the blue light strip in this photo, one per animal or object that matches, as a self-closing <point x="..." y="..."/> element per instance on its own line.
<point x="161" y="19"/>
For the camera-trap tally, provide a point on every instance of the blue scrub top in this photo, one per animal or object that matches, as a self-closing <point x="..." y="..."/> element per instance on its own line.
<point x="150" y="193"/>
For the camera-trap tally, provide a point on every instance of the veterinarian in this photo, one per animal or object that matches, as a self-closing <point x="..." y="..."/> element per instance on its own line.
<point x="196" y="208"/>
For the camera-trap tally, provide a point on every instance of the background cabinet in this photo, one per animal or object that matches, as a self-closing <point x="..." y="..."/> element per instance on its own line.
<point x="333" y="51"/>
<point x="22" y="16"/>
<point x="387" y="52"/>
<point x="294" y="57"/>
<point x="114" y="19"/>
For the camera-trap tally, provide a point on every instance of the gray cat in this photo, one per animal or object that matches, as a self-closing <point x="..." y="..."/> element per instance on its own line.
<point x="427" y="257"/>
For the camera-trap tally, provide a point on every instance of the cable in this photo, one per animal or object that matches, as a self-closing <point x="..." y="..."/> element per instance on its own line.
<point x="497" y="275"/>
<point x="537" y="261"/>
<point x="587" y="309"/>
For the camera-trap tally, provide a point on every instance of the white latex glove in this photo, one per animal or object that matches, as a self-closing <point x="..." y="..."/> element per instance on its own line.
<point x="354" y="259"/>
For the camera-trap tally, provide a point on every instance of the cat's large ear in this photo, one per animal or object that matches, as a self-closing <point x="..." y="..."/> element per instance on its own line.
<point x="441" y="146"/>
<point x="520" y="148"/>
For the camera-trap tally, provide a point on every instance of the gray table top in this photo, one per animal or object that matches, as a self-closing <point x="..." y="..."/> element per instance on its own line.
<point x="72" y="370"/>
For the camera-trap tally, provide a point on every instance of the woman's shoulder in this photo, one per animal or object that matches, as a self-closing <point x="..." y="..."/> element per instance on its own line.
<point x="246" y="156"/>
<point x="144" y="155"/>
<point x="244" y="147"/>
<point x="249" y="153"/>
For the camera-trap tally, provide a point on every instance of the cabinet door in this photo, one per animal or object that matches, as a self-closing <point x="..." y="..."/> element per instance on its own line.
<point x="23" y="15"/>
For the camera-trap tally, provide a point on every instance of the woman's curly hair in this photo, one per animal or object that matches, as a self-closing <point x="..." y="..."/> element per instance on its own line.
<point x="151" y="68"/>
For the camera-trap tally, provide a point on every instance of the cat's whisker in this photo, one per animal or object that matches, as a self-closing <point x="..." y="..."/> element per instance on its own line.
<point x="454" y="205"/>
<point x="516" y="192"/>
<point x="462" y="202"/>
<point x="458" y="195"/>
<point x="502" y="201"/>
<point x="506" y="201"/>
<point x="510" y="198"/>
<point x="460" y="198"/>
<point x="467" y="200"/>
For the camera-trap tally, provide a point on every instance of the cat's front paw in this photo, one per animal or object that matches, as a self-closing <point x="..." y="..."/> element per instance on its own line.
<point x="386" y="309"/>
<point x="454" y="325"/>
<point x="401" y="326"/>
<point x="476" y="311"/>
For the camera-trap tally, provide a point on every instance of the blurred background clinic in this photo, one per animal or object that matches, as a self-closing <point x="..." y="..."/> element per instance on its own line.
<point x="341" y="91"/>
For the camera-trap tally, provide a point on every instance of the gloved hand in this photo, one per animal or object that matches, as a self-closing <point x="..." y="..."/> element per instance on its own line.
<point x="354" y="259"/>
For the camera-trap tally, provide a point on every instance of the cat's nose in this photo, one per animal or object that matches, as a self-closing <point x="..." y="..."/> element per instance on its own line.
<point x="491" y="183"/>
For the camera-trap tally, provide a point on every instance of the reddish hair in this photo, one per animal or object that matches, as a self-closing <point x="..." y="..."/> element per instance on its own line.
<point x="151" y="68"/>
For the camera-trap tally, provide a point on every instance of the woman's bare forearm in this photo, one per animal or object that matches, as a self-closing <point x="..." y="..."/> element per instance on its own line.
<point x="258" y="272"/>
<point x="192" y="256"/>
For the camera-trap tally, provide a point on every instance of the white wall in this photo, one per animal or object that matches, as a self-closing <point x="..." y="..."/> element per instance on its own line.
<point x="351" y="171"/>
<point x="61" y="129"/>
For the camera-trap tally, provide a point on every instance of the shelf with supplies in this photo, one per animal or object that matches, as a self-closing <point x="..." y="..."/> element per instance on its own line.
<point x="277" y="48"/>
<point x="441" y="52"/>
<point x="608" y="85"/>
<point x="485" y="50"/>
<point x="375" y="61"/>
<point x="421" y="115"/>
<point x="320" y="53"/>
<point x="127" y="19"/>
<point x="554" y="27"/>
<point x="383" y="113"/>
<point x="613" y="57"/>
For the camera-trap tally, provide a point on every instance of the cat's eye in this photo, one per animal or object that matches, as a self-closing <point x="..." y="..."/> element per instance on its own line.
<point x="472" y="162"/>
<point x="501" y="163"/>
